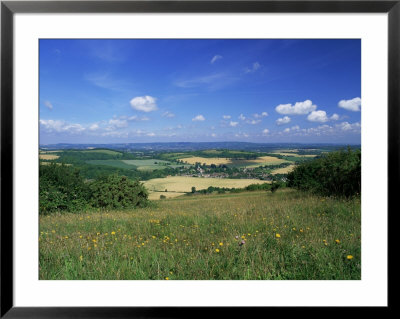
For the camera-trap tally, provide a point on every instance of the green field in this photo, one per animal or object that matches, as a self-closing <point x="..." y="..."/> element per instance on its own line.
<point x="142" y="165"/>
<point x="113" y="163"/>
<point x="102" y="151"/>
<point x="286" y="235"/>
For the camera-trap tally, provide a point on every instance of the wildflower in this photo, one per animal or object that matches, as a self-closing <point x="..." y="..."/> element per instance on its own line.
<point x="80" y="257"/>
<point x="53" y="231"/>
<point x="278" y="236"/>
<point x="236" y="237"/>
<point x="66" y="237"/>
<point x="242" y="243"/>
<point x="217" y="250"/>
<point x="221" y="244"/>
<point x="349" y="257"/>
<point x="166" y="278"/>
<point x="337" y="241"/>
<point x="113" y="233"/>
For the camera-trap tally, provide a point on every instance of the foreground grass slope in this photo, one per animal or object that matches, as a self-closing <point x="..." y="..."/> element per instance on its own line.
<point x="255" y="235"/>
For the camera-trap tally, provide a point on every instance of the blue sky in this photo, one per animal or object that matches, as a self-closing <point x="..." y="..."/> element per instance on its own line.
<point x="130" y="91"/>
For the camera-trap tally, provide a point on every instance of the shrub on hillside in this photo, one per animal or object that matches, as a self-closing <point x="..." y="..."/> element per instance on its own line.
<point x="61" y="188"/>
<point x="114" y="191"/>
<point x="336" y="173"/>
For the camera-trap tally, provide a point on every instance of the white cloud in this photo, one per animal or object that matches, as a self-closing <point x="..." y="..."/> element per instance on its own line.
<point x="198" y="118"/>
<point x="226" y="117"/>
<point x="233" y="124"/>
<point x="215" y="58"/>
<point x="61" y="126"/>
<point x="240" y="134"/>
<point x="346" y="126"/>
<point x="94" y="127"/>
<point x="241" y="117"/>
<point x="115" y="134"/>
<point x="213" y="135"/>
<point x="293" y="128"/>
<point x="135" y="118"/>
<point x="151" y="134"/>
<point x="118" y="123"/>
<point x="317" y="116"/>
<point x="265" y="131"/>
<point x="168" y="114"/>
<point x="48" y="105"/>
<point x="253" y="122"/>
<point x="334" y="117"/>
<point x="258" y="116"/>
<point x="283" y="120"/>
<point x="351" y="105"/>
<point x="144" y="103"/>
<point x="297" y="109"/>
<point x="253" y="68"/>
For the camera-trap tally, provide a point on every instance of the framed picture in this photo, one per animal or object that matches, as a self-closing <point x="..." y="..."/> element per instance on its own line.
<point x="163" y="155"/>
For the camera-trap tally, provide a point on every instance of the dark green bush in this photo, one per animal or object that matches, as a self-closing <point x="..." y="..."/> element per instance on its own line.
<point x="61" y="188"/>
<point x="114" y="191"/>
<point x="275" y="186"/>
<point x="333" y="174"/>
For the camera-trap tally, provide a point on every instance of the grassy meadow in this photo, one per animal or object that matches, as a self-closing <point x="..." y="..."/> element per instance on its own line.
<point x="252" y="235"/>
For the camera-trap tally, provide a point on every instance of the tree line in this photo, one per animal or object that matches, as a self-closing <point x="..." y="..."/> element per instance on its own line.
<point x="336" y="173"/>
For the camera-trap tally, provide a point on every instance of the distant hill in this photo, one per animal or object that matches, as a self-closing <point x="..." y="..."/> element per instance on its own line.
<point x="189" y="146"/>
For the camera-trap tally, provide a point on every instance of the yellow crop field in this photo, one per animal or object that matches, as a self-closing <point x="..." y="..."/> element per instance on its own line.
<point x="262" y="160"/>
<point x="283" y="170"/>
<point x="267" y="160"/>
<point x="185" y="184"/>
<point x="48" y="157"/>
<point x="206" y="160"/>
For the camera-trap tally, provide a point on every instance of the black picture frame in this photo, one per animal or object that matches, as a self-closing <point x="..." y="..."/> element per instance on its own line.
<point x="9" y="8"/>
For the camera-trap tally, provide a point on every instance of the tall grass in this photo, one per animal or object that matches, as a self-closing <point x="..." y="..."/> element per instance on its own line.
<point x="257" y="235"/>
